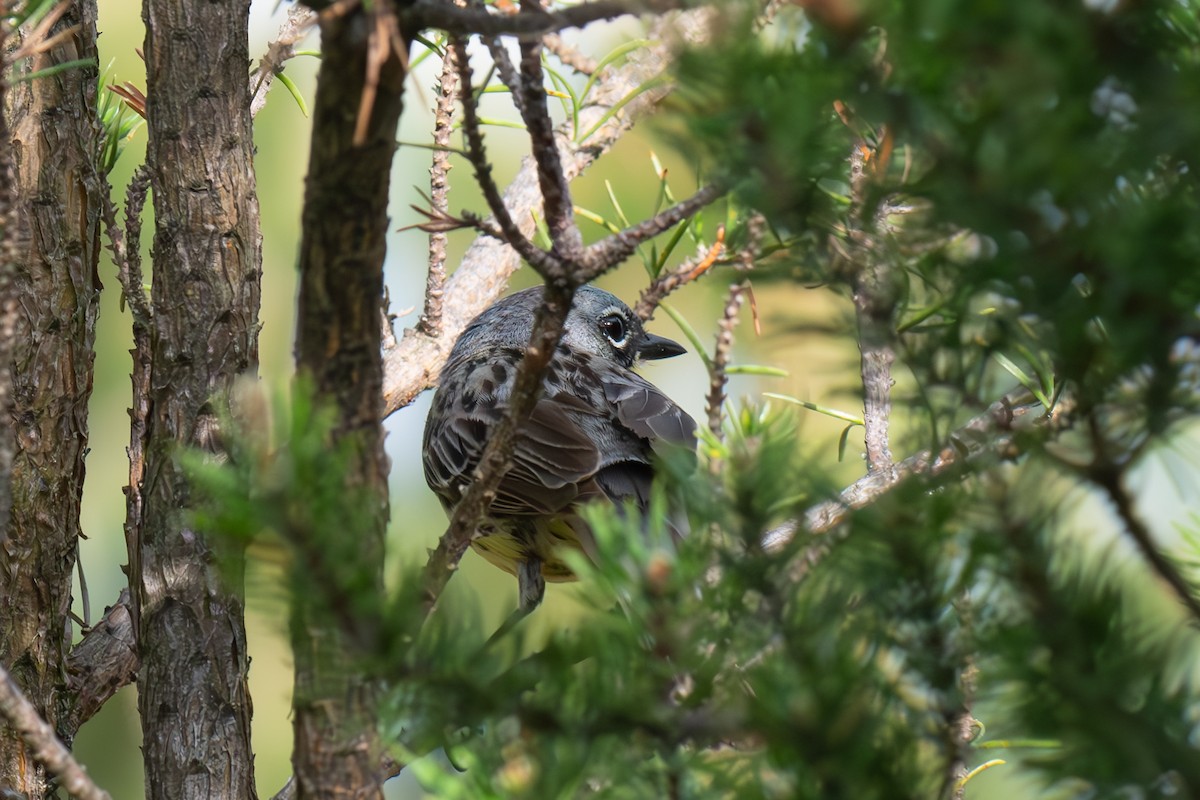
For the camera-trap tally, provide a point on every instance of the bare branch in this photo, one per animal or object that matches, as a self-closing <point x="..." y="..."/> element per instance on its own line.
<point x="619" y="246"/>
<point x="477" y="155"/>
<point x="439" y="192"/>
<point x="988" y="436"/>
<point x="101" y="663"/>
<point x="466" y="21"/>
<point x="126" y="245"/>
<point x="556" y="193"/>
<point x="682" y="275"/>
<point x="716" y="371"/>
<point x="300" y="20"/>
<point x="873" y="307"/>
<point x="569" y="55"/>
<point x="738" y="294"/>
<point x="37" y="734"/>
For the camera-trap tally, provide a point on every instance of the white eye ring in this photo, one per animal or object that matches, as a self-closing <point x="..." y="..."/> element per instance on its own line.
<point x="614" y="329"/>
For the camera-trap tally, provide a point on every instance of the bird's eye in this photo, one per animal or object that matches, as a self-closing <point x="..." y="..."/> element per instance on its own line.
<point x="614" y="328"/>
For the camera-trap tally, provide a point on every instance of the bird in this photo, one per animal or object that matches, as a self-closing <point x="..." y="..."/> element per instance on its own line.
<point x="591" y="436"/>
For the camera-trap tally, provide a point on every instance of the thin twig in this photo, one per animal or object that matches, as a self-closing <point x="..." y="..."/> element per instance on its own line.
<point x="873" y="307"/>
<point x="682" y="275"/>
<point x="556" y="191"/>
<point x="989" y="435"/>
<point x="126" y="245"/>
<point x="477" y="155"/>
<point x="569" y="55"/>
<point x="716" y="370"/>
<point x="127" y="255"/>
<point x="39" y="737"/>
<point x="439" y="192"/>
<point x="300" y="20"/>
<point x="619" y="246"/>
<point x="1106" y="474"/>
<point x="738" y="294"/>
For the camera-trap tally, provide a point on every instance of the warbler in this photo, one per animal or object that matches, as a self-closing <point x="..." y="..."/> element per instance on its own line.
<point x="591" y="436"/>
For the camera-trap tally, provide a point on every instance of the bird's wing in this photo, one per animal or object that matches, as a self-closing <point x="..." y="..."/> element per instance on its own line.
<point x="553" y="454"/>
<point x="646" y="411"/>
<point x="567" y="451"/>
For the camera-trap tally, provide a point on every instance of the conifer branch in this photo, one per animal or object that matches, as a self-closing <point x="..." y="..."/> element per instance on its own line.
<point x="439" y="191"/>
<point x="987" y="436"/>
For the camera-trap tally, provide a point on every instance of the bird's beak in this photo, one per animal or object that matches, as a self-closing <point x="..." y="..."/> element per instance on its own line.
<point x="656" y="347"/>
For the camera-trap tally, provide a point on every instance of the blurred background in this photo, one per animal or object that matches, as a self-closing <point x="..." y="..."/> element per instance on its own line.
<point x="821" y="368"/>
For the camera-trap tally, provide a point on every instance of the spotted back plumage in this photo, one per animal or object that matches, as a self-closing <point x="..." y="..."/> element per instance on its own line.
<point x="590" y="436"/>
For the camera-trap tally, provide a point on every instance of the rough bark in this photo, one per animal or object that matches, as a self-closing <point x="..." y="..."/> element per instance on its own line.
<point x="338" y="347"/>
<point x="50" y="306"/>
<point x="193" y="697"/>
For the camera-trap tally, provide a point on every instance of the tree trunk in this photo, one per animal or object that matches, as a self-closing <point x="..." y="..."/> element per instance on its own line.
<point x="49" y="296"/>
<point x="339" y="347"/>
<point x="193" y="696"/>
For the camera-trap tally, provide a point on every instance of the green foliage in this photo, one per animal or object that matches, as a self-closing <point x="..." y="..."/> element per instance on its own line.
<point x="1030" y="202"/>
<point x="118" y="122"/>
<point x="1031" y="189"/>
<point x="710" y="667"/>
<point x="766" y="115"/>
<point x="283" y="490"/>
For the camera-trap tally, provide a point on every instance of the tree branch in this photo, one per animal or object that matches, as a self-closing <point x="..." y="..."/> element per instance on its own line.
<point x="556" y="192"/>
<point x="466" y="21"/>
<point x="682" y="275"/>
<point x="874" y="305"/>
<point x="1107" y="475"/>
<point x="300" y="20"/>
<point x="37" y="734"/>
<point x="101" y="663"/>
<point x="989" y="435"/>
<point x="568" y="55"/>
<point x="477" y="155"/>
<point x="619" y="246"/>
<point x="430" y="323"/>
<point x="716" y="371"/>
